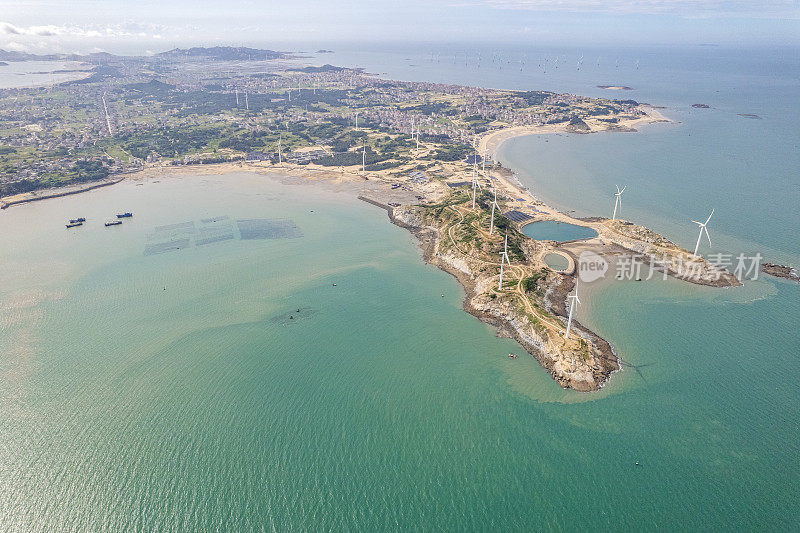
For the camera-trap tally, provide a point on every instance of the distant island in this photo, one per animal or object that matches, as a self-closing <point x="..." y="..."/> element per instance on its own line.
<point x="701" y="106"/>
<point x="323" y="51"/>
<point x="616" y="87"/>
<point x="224" y="53"/>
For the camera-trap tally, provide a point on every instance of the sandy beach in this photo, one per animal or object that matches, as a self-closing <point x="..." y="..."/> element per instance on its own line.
<point x="490" y="142"/>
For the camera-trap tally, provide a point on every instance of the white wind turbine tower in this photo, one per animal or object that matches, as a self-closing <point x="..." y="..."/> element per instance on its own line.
<point x="364" y="159"/>
<point x="703" y="228"/>
<point x="573" y="298"/>
<point x="246" y="102"/>
<point x="494" y="205"/>
<point x="280" y="138"/>
<point x="237" y="97"/>
<point x="618" y="201"/>
<point x="475" y="184"/>
<point x="483" y="162"/>
<point x="503" y="259"/>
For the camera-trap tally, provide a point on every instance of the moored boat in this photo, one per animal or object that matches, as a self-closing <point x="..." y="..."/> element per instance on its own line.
<point x="113" y="223"/>
<point x="125" y="215"/>
<point x="73" y="224"/>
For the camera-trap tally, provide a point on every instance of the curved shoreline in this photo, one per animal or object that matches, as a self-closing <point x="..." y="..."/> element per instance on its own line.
<point x="490" y="142"/>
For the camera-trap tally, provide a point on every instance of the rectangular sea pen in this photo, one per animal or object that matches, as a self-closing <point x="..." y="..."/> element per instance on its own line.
<point x="216" y="238"/>
<point x="264" y="228"/>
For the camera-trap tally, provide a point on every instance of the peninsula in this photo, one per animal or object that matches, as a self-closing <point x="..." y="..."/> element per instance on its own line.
<point x="422" y="151"/>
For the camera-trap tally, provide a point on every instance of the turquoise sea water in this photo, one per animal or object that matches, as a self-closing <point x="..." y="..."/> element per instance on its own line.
<point x="172" y="391"/>
<point x="548" y="230"/>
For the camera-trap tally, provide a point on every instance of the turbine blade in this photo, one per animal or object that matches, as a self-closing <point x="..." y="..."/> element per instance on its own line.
<point x="709" y="216"/>
<point x="707" y="235"/>
<point x="698" y="223"/>
<point x="623" y="189"/>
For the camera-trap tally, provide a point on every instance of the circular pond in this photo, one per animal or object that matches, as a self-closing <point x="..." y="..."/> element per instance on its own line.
<point x="556" y="261"/>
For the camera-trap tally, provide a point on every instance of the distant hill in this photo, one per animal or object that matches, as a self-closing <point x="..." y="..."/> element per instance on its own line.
<point x="7" y="55"/>
<point x="225" y="53"/>
<point x="323" y="68"/>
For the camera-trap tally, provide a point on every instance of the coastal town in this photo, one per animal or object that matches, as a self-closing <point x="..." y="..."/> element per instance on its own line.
<point x="214" y="105"/>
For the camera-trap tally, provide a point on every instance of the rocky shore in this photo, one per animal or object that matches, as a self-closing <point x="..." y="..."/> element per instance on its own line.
<point x="780" y="271"/>
<point x="536" y="319"/>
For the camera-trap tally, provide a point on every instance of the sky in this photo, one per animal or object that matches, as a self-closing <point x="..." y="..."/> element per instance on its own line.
<point x="147" y="26"/>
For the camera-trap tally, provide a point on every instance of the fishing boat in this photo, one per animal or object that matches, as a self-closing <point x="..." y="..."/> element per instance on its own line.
<point x="113" y="223"/>
<point x="76" y="220"/>
<point x="74" y="223"/>
<point x="125" y="215"/>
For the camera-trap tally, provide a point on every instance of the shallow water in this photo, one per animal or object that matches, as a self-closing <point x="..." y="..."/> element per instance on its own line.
<point x="185" y="390"/>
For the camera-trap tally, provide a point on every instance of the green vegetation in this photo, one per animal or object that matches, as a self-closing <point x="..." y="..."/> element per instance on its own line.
<point x="161" y="110"/>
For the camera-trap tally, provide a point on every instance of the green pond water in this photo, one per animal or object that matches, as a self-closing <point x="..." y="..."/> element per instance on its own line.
<point x="172" y="391"/>
<point x="549" y="230"/>
<point x="556" y="261"/>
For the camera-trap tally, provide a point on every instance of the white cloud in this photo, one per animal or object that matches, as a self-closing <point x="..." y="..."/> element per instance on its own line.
<point x="117" y="30"/>
<point x="744" y="8"/>
<point x="14" y="46"/>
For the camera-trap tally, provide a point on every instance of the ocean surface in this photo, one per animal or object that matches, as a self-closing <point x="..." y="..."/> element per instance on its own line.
<point x="158" y="375"/>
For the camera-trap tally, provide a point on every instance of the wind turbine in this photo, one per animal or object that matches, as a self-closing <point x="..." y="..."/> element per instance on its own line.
<point x="494" y="204"/>
<point x="475" y="184"/>
<point x="280" y="138"/>
<point x="618" y="201"/>
<point x="364" y="159"/>
<point x="573" y="298"/>
<point x="503" y="258"/>
<point x="703" y="228"/>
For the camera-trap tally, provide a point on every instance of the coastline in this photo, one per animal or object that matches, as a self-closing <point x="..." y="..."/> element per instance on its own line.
<point x="490" y="143"/>
<point x="56" y="192"/>
<point x="537" y="320"/>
